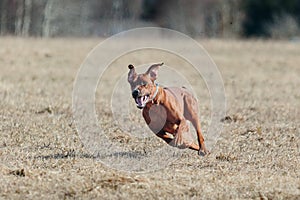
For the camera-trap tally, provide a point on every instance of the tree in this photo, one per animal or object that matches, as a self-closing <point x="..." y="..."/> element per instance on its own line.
<point x="27" y="17"/>
<point x="47" y="18"/>
<point x="3" y="20"/>
<point x="260" y="14"/>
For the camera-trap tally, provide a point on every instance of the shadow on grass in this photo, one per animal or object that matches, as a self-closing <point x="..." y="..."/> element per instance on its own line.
<point x="73" y="154"/>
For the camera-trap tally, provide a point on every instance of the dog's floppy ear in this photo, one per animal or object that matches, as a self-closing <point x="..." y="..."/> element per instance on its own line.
<point x="131" y="74"/>
<point x="153" y="71"/>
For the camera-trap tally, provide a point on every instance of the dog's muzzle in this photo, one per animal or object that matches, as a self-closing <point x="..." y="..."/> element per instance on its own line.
<point x="140" y="100"/>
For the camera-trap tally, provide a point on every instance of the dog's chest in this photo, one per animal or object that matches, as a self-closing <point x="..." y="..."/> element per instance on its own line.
<point x="159" y="119"/>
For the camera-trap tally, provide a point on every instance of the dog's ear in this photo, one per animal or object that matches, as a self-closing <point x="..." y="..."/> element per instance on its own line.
<point x="131" y="74"/>
<point x="153" y="71"/>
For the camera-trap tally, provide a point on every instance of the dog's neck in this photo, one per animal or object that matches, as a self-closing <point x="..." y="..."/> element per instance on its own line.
<point x="157" y="96"/>
<point x="155" y="93"/>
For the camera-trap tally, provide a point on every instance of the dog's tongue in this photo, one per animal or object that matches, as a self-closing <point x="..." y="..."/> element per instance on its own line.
<point x="140" y="101"/>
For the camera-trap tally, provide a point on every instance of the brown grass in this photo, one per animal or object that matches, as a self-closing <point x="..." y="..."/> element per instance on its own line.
<point x="257" y="156"/>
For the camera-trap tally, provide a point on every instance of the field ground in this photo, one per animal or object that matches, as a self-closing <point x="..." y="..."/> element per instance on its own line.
<point x="256" y="157"/>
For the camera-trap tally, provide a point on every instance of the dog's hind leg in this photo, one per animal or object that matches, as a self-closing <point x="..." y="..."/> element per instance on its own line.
<point x="191" y="114"/>
<point x="166" y="137"/>
<point x="194" y="146"/>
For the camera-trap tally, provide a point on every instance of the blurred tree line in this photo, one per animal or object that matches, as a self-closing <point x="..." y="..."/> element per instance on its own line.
<point x="271" y="18"/>
<point x="209" y="18"/>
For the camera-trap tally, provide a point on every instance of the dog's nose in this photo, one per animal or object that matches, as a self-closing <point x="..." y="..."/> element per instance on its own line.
<point x="135" y="93"/>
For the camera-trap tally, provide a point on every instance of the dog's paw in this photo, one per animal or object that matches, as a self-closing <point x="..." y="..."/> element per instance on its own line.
<point x="203" y="152"/>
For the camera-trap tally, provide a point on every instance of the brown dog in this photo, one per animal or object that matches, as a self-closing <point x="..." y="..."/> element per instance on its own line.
<point x="166" y="110"/>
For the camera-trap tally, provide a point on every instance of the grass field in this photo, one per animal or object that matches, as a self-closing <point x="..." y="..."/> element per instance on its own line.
<point x="256" y="157"/>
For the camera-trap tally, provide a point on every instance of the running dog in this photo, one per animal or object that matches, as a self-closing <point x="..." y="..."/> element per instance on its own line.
<point x="167" y="109"/>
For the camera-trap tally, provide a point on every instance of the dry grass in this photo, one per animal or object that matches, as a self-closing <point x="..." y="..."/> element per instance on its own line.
<point x="257" y="156"/>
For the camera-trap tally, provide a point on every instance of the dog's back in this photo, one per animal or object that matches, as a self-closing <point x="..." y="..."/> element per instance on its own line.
<point x="179" y="93"/>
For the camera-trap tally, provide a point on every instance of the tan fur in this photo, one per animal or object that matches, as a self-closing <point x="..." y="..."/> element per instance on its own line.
<point x="169" y="111"/>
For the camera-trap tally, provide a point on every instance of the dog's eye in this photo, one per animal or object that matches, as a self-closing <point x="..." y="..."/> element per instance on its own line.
<point x="144" y="84"/>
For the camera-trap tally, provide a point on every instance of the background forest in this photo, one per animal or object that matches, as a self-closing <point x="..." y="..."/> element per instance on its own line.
<point x="205" y="18"/>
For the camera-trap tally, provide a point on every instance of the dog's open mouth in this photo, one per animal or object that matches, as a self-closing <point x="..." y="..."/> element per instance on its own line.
<point x="141" y="101"/>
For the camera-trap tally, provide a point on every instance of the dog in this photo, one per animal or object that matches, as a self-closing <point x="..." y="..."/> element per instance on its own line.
<point x="167" y="109"/>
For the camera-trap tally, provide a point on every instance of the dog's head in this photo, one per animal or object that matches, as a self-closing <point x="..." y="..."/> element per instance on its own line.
<point x="142" y="85"/>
